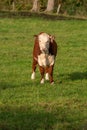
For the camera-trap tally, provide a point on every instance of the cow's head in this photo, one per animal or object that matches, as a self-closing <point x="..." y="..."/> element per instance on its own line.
<point x="44" y="40"/>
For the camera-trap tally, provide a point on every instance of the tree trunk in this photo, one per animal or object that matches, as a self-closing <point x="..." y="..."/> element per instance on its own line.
<point x="58" y="9"/>
<point x="50" y="6"/>
<point x="35" y="7"/>
<point x="59" y="6"/>
<point x="13" y="6"/>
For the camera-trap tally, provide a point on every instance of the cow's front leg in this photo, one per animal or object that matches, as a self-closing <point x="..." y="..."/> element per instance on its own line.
<point x="33" y="68"/>
<point x="47" y="73"/>
<point x="51" y="74"/>
<point x="42" y="71"/>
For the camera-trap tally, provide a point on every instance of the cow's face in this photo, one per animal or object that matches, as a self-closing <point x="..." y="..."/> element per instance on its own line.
<point x="44" y="41"/>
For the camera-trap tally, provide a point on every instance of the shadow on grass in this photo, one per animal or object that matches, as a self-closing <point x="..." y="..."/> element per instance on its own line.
<point x="5" y="85"/>
<point x="28" y="83"/>
<point x="40" y="117"/>
<point x="78" y="75"/>
<point x="25" y="118"/>
<point x="74" y="76"/>
<point x="22" y="119"/>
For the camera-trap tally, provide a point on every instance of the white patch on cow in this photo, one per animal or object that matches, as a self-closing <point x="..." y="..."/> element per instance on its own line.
<point x="44" y="41"/>
<point x="51" y="59"/>
<point x="47" y="76"/>
<point x="42" y="81"/>
<point x="42" y="60"/>
<point x="45" y="60"/>
<point x="33" y="76"/>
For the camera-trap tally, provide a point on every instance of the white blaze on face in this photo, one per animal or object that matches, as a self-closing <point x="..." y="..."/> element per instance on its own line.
<point x="44" y="41"/>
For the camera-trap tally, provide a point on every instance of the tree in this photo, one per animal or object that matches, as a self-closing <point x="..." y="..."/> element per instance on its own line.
<point x="13" y="5"/>
<point x="35" y="7"/>
<point x="59" y="6"/>
<point x="50" y="6"/>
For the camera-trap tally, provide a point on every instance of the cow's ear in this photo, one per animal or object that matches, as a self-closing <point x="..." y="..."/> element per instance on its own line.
<point x="52" y="38"/>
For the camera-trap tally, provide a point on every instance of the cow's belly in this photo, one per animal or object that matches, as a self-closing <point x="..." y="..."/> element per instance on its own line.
<point x="45" y="60"/>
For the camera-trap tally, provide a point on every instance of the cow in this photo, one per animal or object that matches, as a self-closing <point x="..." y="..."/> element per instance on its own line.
<point x="44" y="53"/>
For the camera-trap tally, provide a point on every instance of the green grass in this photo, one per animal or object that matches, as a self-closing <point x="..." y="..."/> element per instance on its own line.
<point x="28" y="105"/>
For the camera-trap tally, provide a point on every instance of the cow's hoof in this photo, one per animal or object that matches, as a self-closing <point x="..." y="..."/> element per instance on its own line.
<point x="33" y="76"/>
<point x="42" y="81"/>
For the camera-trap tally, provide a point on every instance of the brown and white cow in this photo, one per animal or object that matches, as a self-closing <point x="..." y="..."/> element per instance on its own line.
<point x="44" y="53"/>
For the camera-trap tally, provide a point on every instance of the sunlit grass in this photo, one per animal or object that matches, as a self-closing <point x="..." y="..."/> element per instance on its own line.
<point x="26" y="104"/>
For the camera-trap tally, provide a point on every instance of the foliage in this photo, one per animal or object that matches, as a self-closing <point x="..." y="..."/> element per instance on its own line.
<point x="26" y="104"/>
<point x="71" y="7"/>
<point x="43" y="4"/>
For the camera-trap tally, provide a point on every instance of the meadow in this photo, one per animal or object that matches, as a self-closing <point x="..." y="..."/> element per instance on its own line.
<point x="28" y="105"/>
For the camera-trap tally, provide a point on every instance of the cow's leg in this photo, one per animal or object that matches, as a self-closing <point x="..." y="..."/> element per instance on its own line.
<point x="51" y="74"/>
<point x="42" y="71"/>
<point x="47" y="73"/>
<point x="33" y="69"/>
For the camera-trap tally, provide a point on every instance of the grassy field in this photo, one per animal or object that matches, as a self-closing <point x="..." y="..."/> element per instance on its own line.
<point x="28" y="105"/>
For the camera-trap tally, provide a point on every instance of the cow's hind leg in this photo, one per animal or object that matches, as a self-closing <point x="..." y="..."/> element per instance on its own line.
<point x="42" y="71"/>
<point x="33" y="69"/>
